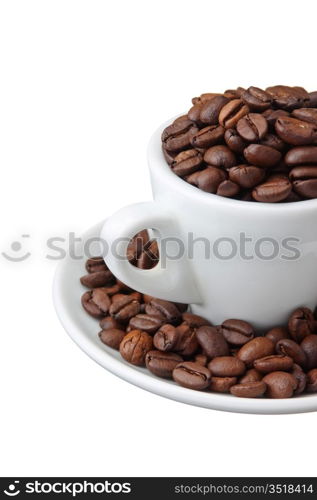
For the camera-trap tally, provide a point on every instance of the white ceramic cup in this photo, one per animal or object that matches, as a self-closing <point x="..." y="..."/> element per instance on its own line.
<point x="262" y="282"/>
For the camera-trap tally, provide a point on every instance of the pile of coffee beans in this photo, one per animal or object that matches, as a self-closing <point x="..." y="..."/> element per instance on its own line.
<point x="248" y="144"/>
<point x="174" y="344"/>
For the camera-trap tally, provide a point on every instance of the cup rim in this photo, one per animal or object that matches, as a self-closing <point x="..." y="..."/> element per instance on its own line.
<point x="157" y="162"/>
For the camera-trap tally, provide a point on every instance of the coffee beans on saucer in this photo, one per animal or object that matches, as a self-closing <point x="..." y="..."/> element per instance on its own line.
<point x="172" y="343"/>
<point x="248" y="144"/>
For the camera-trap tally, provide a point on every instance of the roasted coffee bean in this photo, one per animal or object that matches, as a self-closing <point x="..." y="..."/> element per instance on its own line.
<point x="97" y="279"/>
<point x="177" y="136"/>
<point x="165" y="338"/>
<point x="96" y="302"/>
<point x="237" y="332"/>
<point x="313" y="99"/>
<point x="95" y="264"/>
<point x="277" y="333"/>
<point x="187" y="162"/>
<point x="256" y="99"/>
<point x="272" y="115"/>
<point x="207" y="96"/>
<point x="146" y="323"/>
<point x="168" y="155"/>
<point x="226" y="366"/>
<point x="302" y="155"/>
<point x="109" y="322"/>
<point x="112" y="337"/>
<point x="249" y="389"/>
<point x="212" y="341"/>
<point x="136" y="246"/>
<point x="301" y="323"/>
<point x="194" y="113"/>
<point x="222" y="384"/>
<point x="286" y="97"/>
<point x="273" y="141"/>
<point x="256" y="348"/>
<point x="309" y="346"/>
<point x="124" y="308"/>
<point x="251" y="375"/>
<point x="220" y="156"/>
<point x="193" y="320"/>
<point x="186" y="343"/>
<point x="252" y="127"/>
<point x="162" y="364"/>
<point x="296" y="132"/>
<point x="280" y="385"/>
<point x="167" y="309"/>
<point x="262" y="156"/>
<point x="304" y="181"/>
<point x="274" y="363"/>
<point x="246" y="176"/>
<point x="289" y="347"/>
<point x="312" y="381"/>
<point x="300" y="377"/>
<point x="306" y="114"/>
<point x="234" y="141"/>
<point x="228" y="189"/>
<point x="201" y="359"/>
<point x="276" y="188"/>
<point x="232" y="112"/>
<point x="150" y="256"/>
<point x="134" y="347"/>
<point x="192" y="375"/>
<point x="208" y="136"/>
<point x="207" y="180"/>
<point x="210" y="110"/>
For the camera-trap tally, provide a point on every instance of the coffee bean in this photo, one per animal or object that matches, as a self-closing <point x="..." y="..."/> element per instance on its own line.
<point x="212" y="341"/>
<point x="97" y="279"/>
<point x="228" y="189"/>
<point x="306" y="114"/>
<point x="211" y="109"/>
<point x="256" y="99"/>
<point x="222" y="384"/>
<point x="296" y="132"/>
<point x="301" y="323"/>
<point x="108" y="322"/>
<point x="226" y="366"/>
<point x="192" y="375"/>
<point x="246" y="176"/>
<point x="96" y="302"/>
<point x="262" y="156"/>
<point x="304" y="181"/>
<point x="146" y="323"/>
<point x="162" y="364"/>
<point x="256" y="348"/>
<point x="251" y="375"/>
<point x="134" y="347"/>
<point x="249" y="389"/>
<point x="136" y="246"/>
<point x="276" y="188"/>
<point x="193" y="320"/>
<point x="124" y="308"/>
<point x="286" y="97"/>
<point x="232" y="112"/>
<point x="207" y="180"/>
<point x="290" y="348"/>
<point x="252" y="127"/>
<point x="272" y="115"/>
<point x="309" y="346"/>
<point x="165" y="338"/>
<point x="194" y="113"/>
<point x="237" y="332"/>
<point x="186" y="342"/>
<point x="280" y="385"/>
<point x="277" y="333"/>
<point x="234" y="141"/>
<point x="150" y="256"/>
<point x="313" y="99"/>
<point x="220" y="156"/>
<point x="300" y="377"/>
<point x="112" y="337"/>
<point x="312" y="381"/>
<point x="208" y="136"/>
<point x="95" y="264"/>
<point x="177" y="136"/>
<point x="273" y="141"/>
<point x="302" y="155"/>
<point x="273" y="363"/>
<point x="167" y="309"/>
<point x="207" y="96"/>
<point x="186" y="162"/>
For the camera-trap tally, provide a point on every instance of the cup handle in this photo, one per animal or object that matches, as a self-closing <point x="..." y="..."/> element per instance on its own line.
<point x="174" y="281"/>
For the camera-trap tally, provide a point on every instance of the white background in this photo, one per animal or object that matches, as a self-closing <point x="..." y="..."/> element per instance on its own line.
<point x="83" y="84"/>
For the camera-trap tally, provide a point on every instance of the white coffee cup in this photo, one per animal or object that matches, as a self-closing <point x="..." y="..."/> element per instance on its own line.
<point x="261" y="282"/>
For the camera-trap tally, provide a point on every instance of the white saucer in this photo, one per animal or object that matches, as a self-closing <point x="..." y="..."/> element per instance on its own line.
<point x="84" y="331"/>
